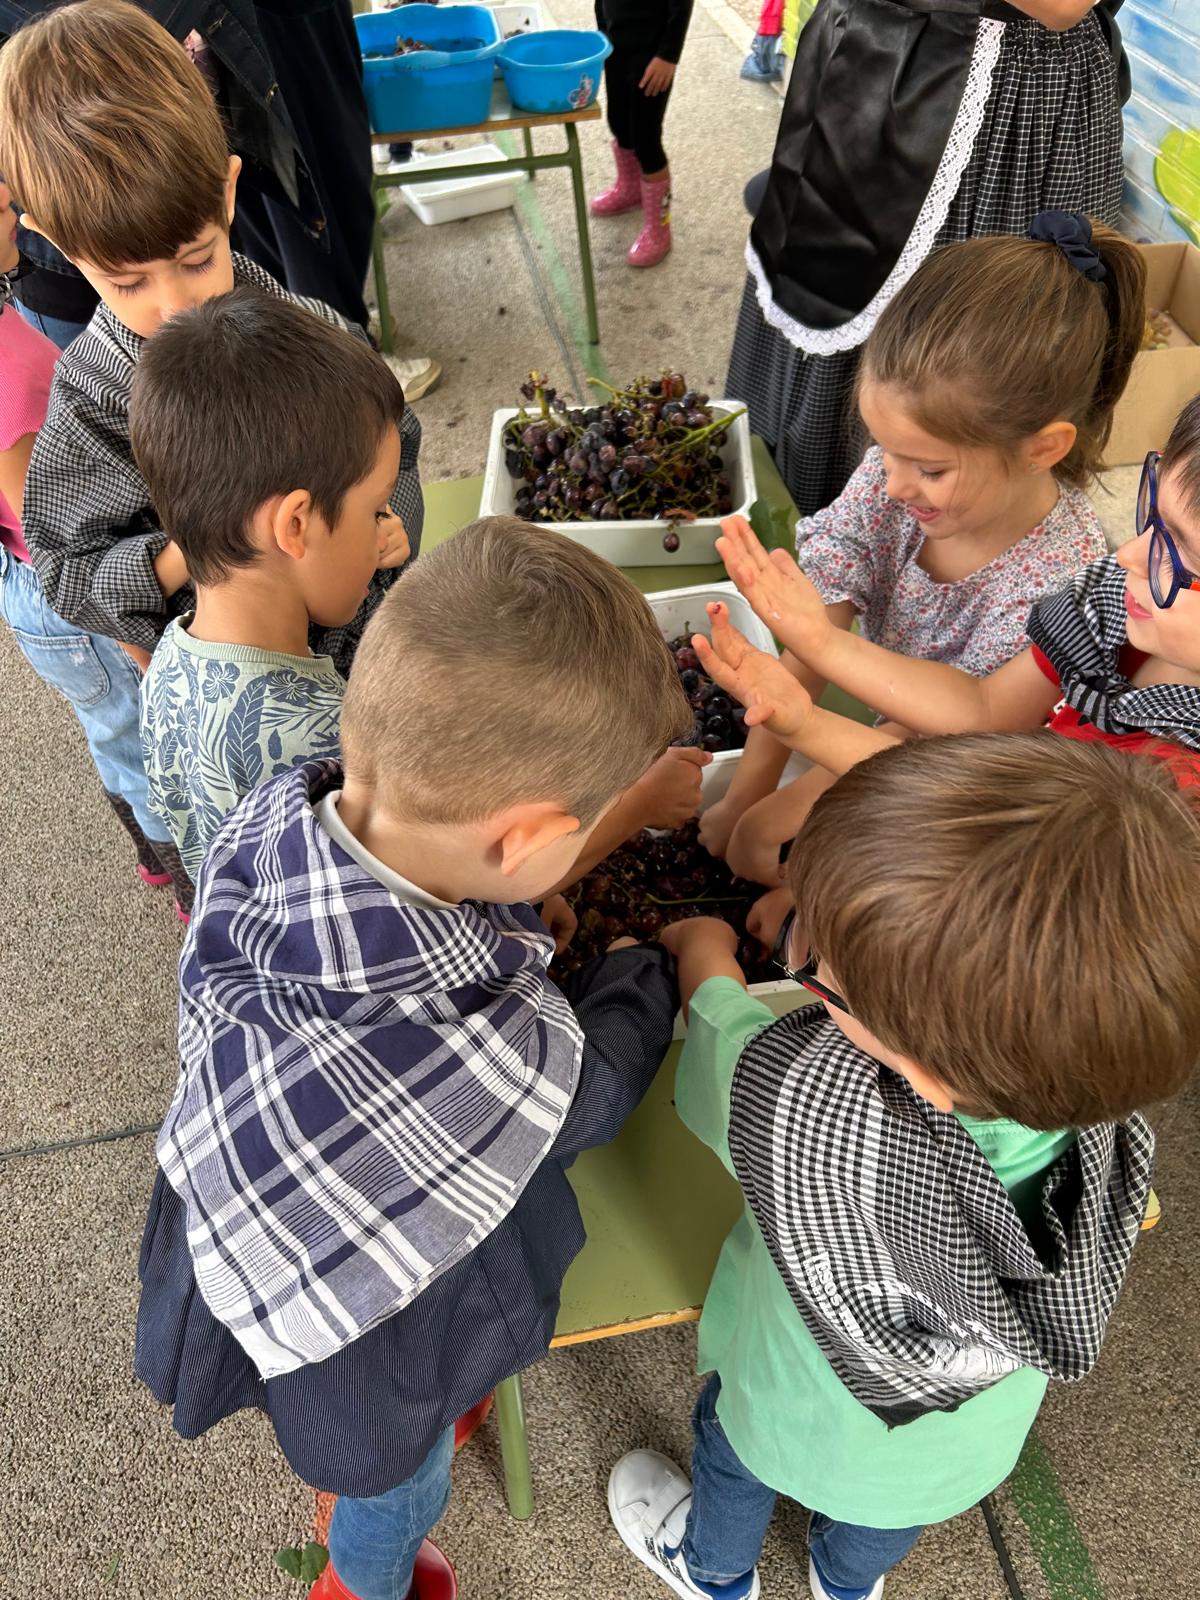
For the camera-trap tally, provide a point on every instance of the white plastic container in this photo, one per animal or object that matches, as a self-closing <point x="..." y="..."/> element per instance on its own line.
<point x="682" y="611"/>
<point x="460" y="197"/>
<point x="635" y="544"/>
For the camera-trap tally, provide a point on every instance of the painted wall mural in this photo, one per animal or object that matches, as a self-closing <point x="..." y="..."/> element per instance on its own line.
<point x="1162" y="120"/>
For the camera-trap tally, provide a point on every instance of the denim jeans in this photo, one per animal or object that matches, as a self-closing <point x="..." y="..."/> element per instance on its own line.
<point x="373" y="1543"/>
<point x="56" y="329"/>
<point x="731" y="1509"/>
<point x="91" y="672"/>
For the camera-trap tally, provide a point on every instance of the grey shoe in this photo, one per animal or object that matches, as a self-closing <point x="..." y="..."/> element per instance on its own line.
<point x="764" y="64"/>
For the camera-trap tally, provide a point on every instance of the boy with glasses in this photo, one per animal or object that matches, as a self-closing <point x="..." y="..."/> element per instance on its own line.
<point x="944" y="1164"/>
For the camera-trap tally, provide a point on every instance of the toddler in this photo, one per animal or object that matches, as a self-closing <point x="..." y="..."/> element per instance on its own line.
<point x="989" y="385"/>
<point x="944" y="1163"/>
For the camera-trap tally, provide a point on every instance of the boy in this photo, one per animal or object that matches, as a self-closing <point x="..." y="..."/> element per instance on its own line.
<point x="943" y="1164"/>
<point x="362" y="1220"/>
<point x="285" y="534"/>
<point x="115" y="151"/>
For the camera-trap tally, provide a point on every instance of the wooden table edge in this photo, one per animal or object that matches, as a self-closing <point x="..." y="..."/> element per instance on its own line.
<point x="553" y="119"/>
<point x="612" y="1330"/>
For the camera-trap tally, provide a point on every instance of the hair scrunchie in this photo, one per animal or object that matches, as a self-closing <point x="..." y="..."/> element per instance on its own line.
<point x="1072" y="233"/>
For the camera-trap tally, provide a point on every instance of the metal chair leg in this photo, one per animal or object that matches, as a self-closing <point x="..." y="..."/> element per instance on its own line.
<point x="514" y="1447"/>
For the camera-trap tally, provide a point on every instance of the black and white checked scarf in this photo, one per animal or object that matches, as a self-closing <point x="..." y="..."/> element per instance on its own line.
<point x="897" y="1241"/>
<point x="90" y="526"/>
<point x="1081" y="632"/>
<point x="365" y="1086"/>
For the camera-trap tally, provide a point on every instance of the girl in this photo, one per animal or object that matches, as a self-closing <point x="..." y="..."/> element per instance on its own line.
<point x="1114" y="657"/>
<point x="84" y="667"/>
<point x="647" y="39"/>
<point x="989" y="385"/>
<point x="907" y="126"/>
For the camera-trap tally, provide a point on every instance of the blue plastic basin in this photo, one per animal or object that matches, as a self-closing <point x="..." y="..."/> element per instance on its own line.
<point x="555" y="70"/>
<point x="447" y="86"/>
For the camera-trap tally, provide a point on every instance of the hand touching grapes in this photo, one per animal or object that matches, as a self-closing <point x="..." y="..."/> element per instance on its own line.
<point x="670" y="792"/>
<point x="561" y="921"/>
<point x="776" y="588"/>
<point x="760" y="681"/>
<point x="394" y="548"/>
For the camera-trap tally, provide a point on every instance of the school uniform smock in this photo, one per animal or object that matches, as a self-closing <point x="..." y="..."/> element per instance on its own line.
<point x="789" y="1418"/>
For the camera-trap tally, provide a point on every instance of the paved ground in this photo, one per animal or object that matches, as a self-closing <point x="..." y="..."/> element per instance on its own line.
<point x="98" y="1497"/>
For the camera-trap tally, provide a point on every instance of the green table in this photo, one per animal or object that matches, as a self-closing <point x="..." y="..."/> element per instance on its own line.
<point x="502" y="118"/>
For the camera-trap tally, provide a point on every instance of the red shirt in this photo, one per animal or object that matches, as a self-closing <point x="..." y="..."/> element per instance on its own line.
<point x="1064" y="719"/>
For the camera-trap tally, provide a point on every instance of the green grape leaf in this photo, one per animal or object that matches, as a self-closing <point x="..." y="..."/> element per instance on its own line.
<point x="313" y="1562"/>
<point x="289" y="1560"/>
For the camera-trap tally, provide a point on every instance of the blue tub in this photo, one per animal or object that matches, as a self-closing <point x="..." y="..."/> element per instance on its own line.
<point x="555" y="70"/>
<point x="446" y="86"/>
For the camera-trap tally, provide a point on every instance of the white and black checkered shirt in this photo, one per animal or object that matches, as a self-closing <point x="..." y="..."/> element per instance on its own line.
<point x="898" y="1243"/>
<point x="89" y="523"/>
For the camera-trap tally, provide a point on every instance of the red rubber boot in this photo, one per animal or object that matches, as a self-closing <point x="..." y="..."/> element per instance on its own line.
<point x="433" y="1579"/>
<point x="626" y="190"/>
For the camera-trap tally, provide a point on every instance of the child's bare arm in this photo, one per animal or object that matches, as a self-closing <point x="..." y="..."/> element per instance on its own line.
<point x="170" y="568"/>
<point x="14" y="464"/>
<point x="927" y="696"/>
<point x="703" y="947"/>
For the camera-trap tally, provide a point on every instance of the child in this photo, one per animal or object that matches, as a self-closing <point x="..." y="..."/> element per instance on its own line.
<point x="287" y="537"/>
<point x="1020" y="108"/>
<point x="1114" y="658"/>
<point x="647" y="39"/>
<point x="989" y="386"/>
<point x="286" y="533"/>
<point x="943" y="1164"/>
<point x="764" y="64"/>
<point x="379" y="1084"/>
<point x="92" y="672"/>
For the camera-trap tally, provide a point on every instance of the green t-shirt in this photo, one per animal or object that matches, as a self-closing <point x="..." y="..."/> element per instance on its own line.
<point x="219" y="719"/>
<point x="788" y="1416"/>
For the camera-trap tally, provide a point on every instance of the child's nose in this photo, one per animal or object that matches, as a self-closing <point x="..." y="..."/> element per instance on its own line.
<point x="1135" y="555"/>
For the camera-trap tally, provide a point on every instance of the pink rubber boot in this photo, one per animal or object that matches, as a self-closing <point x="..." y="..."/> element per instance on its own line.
<point x="626" y="190"/>
<point x="654" y="241"/>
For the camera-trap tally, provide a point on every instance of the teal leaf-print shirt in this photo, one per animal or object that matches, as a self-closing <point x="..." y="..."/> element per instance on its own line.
<point x="218" y="719"/>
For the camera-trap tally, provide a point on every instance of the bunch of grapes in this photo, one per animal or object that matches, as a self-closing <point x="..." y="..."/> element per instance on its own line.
<point x="651" y="451"/>
<point x="720" y="719"/>
<point x="656" y="879"/>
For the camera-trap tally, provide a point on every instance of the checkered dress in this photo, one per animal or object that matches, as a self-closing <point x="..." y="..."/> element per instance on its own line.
<point x="1050" y="137"/>
<point x="91" y="529"/>
<point x="899" y="1245"/>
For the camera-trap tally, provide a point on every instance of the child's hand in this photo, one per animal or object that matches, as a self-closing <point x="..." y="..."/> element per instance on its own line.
<point x="658" y="77"/>
<point x="761" y="682"/>
<point x="765" y="917"/>
<point x="669" y="794"/>
<point x="697" y="934"/>
<point x="561" y="921"/>
<point x="776" y="588"/>
<point x="394" y="548"/>
<point x="716" y="827"/>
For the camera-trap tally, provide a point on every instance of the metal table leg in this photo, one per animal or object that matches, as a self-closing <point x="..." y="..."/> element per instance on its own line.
<point x="581" y="226"/>
<point x="379" y="269"/>
<point x="527" y="134"/>
<point x="514" y="1447"/>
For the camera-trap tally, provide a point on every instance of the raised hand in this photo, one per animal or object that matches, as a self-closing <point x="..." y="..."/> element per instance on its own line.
<point x="776" y="588"/>
<point x="760" y="681"/>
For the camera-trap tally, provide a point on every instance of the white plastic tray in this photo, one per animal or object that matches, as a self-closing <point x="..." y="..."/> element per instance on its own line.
<point x="635" y="544"/>
<point x="460" y="197"/>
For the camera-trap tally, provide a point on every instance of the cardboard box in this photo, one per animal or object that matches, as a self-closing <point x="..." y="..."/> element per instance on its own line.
<point x="1162" y="381"/>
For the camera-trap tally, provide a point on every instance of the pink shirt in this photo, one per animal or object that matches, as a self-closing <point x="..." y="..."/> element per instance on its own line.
<point x="27" y="360"/>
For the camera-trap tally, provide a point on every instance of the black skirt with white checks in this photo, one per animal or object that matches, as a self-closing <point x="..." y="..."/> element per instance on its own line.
<point x="1050" y="138"/>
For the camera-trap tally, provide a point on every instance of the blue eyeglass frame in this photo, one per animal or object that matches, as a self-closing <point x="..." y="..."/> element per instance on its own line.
<point x="805" y="976"/>
<point x="1160" y="539"/>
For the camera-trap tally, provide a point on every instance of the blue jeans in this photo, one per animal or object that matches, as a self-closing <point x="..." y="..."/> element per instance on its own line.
<point x="731" y="1509"/>
<point x="94" y="674"/>
<point x="373" y="1543"/>
<point x="56" y="329"/>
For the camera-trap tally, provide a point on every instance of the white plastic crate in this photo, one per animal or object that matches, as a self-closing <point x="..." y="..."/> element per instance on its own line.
<point x="460" y="197"/>
<point x="635" y="544"/>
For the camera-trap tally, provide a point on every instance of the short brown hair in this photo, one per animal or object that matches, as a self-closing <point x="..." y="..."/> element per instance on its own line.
<point x="508" y="665"/>
<point x="109" y="137"/>
<point x="1181" y="455"/>
<point x="1018" y="913"/>
<point x="993" y="338"/>
<point x="232" y="404"/>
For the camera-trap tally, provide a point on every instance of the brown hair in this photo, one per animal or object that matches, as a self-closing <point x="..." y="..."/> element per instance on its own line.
<point x="1181" y="455"/>
<point x="507" y="665"/>
<point x="1018" y="913"/>
<point x="109" y="137"/>
<point x="992" y="339"/>
<point x="214" y="436"/>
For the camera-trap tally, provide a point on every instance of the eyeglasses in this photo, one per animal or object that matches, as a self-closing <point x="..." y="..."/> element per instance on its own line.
<point x="806" y="975"/>
<point x="1166" y="572"/>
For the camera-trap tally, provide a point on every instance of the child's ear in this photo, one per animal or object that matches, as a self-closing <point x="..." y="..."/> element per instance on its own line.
<point x="31" y="226"/>
<point x="528" y="829"/>
<point x="289" y="519"/>
<point x="235" y="167"/>
<point x="1050" y="445"/>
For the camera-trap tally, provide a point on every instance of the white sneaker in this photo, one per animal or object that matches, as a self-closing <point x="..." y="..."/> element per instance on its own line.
<point x="649" y="1498"/>
<point x="820" y="1592"/>
<point x="417" y="375"/>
